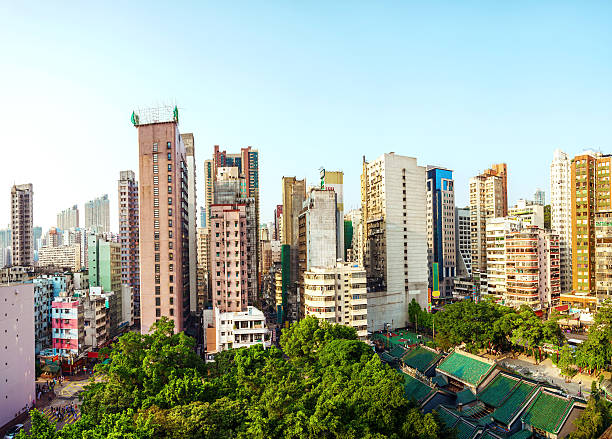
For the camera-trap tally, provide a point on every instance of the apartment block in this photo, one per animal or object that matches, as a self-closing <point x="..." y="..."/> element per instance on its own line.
<point x="532" y="268"/>
<point x="97" y="214"/>
<point x="62" y="256"/>
<point x="393" y="207"/>
<point x="17" y="373"/>
<point x="6" y="243"/>
<point x="128" y="234"/>
<point x="95" y="317"/>
<point x="334" y="181"/>
<point x="191" y="214"/>
<point x="561" y="213"/>
<point x="164" y="230"/>
<point x="539" y="197"/>
<point x="463" y="242"/>
<point x="590" y="194"/>
<point x="529" y="213"/>
<point x="43" y="298"/>
<point x="338" y="294"/>
<point x="603" y="255"/>
<point x="228" y="257"/>
<point x="441" y="247"/>
<point x="68" y="326"/>
<point x="22" y="211"/>
<point x="488" y="199"/>
<point x="497" y="230"/>
<point x="68" y="218"/>
<point x="203" y="267"/>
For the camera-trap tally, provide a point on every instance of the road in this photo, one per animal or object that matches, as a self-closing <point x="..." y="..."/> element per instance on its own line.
<point x="67" y="394"/>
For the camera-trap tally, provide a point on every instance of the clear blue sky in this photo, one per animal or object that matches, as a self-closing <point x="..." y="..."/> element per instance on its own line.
<point x="310" y="84"/>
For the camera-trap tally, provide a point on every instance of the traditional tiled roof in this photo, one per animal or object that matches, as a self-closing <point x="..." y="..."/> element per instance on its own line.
<point x="515" y="402"/>
<point x="387" y="358"/>
<point x="468" y="369"/>
<point x="415" y="389"/>
<point x="465" y="397"/>
<point x="488" y="435"/>
<point x="440" y="380"/>
<point x="523" y="434"/>
<point x="465" y="430"/>
<point x="498" y="390"/>
<point x="446" y="416"/>
<point x="421" y="359"/>
<point x="397" y="352"/>
<point x="547" y="412"/>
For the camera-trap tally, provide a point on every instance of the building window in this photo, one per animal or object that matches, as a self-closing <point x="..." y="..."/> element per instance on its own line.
<point x="156" y="213"/>
<point x="157" y="268"/>
<point x="154" y="158"/>
<point x="155" y="191"/>
<point x="170" y="256"/>
<point x="156" y="179"/>
<point x="155" y="169"/>
<point x="169" y="145"/>
<point x="169" y="223"/>
<point x="156" y="236"/>
<point x="171" y="267"/>
<point x="169" y="211"/>
<point x="157" y="246"/>
<point x="155" y="202"/>
<point x="170" y="244"/>
<point x="169" y="190"/>
<point x="157" y="289"/>
<point x="156" y="257"/>
<point x="169" y="167"/>
<point x="171" y="278"/>
<point x="157" y="301"/>
<point x="155" y="147"/>
<point x="172" y="311"/>
<point x="171" y="289"/>
<point x="169" y="233"/>
<point x="157" y="312"/>
<point x="169" y="156"/>
<point x="172" y="301"/>
<point x="169" y="178"/>
<point x="169" y="201"/>
<point x="156" y="224"/>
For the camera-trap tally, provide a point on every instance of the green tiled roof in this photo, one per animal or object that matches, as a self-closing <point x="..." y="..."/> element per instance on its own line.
<point x="440" y="380"/>
<point x="498" y="389"/>
<point x="397" y="352"/>
<point x="465" y="396"/>
<point x="523" y="434"/>
<point x="465" y="430"/>
<point x="415" y="389"/>
<point x="464" y="368"/>
<point x="547" y="412"/>
<point x="421" y="359"/>
<point x="515" y="402"/>
<point x="488" y="435"/>
<point x="387" y="358"/>
<point x="446" y="416"/>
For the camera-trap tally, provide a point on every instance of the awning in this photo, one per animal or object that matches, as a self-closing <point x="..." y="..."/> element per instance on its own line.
<point x="562" y="308"/>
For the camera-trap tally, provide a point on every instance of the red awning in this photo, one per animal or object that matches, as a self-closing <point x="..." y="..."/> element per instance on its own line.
<point x="538" y="313"/>
<point x="562" y="308"/>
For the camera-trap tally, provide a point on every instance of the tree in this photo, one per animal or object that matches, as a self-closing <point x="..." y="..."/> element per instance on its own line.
<point x="567" y="359"/>
<point x="42" y="427"/>
<point x="595" y="419"/>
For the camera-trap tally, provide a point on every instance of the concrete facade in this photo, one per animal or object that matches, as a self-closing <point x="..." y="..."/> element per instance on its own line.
<point x="394" y="203"/>
<point x="68" y="326"/>
<point x="191" y="214"/>
<point x="338" y="294"/>
<point x="237" y="329"/>
<point x="43" y="298"/>
<point x="68" y="218"/>
<point x="497" y="229"/>
<point x="463" y="240"/>
<point x="17" y="362"/>
<point x="128" y="234"/>
<point x="63" y="256"/>
<point x="22" y="212"/>
<point x="561" y="213"/>
<point x="97" y="214"/>
<point x="164" y="242"/>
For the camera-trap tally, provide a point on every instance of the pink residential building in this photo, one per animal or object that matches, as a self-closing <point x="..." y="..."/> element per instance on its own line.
<point x="68" y="326"/>
<point x="228" y="257"/>
<point x="17" y="359"/>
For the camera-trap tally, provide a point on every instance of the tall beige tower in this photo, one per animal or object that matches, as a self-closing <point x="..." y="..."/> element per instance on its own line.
<point x="22" y="207"/>
<point x="164" y="224"/>
<point x="488" y="199"/>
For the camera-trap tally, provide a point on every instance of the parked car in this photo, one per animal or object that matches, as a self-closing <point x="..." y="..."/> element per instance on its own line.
<point x="12" y="432"/>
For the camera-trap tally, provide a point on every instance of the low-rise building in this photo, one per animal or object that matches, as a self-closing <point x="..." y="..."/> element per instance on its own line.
<point x="239" y="329"/>
<point x="17" y="361"/>
<point x="338" y="294"/>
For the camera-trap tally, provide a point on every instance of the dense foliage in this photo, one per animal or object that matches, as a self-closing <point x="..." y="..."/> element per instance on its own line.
<point x="486" y="325"/>
<point x="324" y="384"/>
<point x="596" y="417"/>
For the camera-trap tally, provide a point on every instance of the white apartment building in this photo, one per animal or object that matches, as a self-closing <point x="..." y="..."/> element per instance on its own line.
<point x="17" y="361"/>
<point x="486" y="201"/>
<point x="561" y="213"/>
<point x="393" y="212"/>
<point x="529" y="213"/>
<point x="338" y="295"/>
<point x="64" y="256"/>
<point x="191" y="212"/>
<point x="497" y="229"/>
<point x="239" y="329"/>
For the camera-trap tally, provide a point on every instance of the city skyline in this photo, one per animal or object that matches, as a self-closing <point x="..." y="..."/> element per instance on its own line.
<point x="460" y="103"/>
